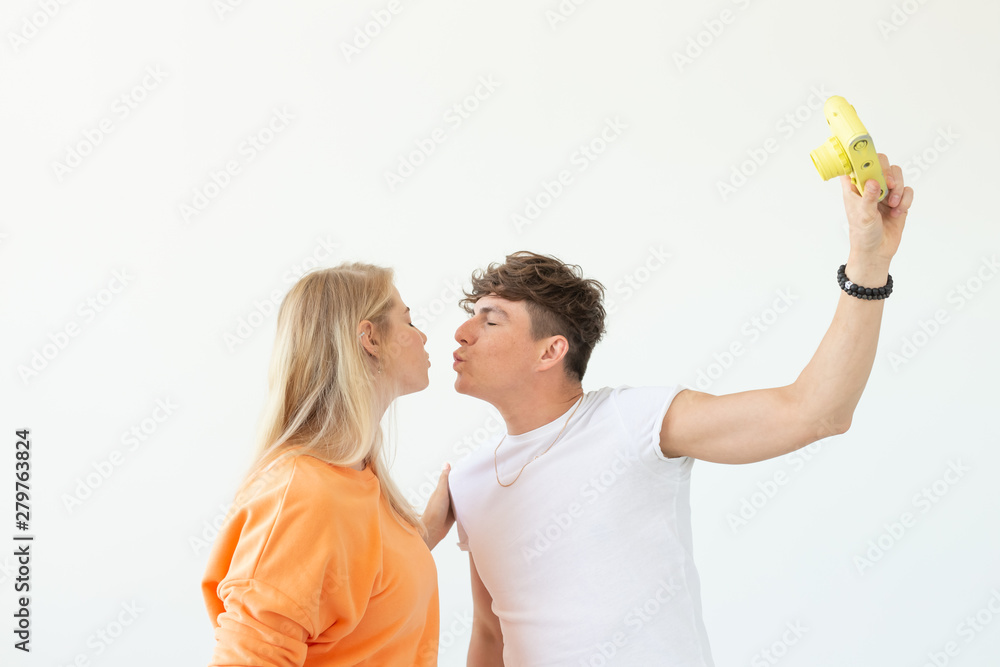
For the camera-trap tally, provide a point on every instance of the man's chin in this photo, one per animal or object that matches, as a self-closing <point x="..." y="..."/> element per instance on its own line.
<point x="464" y="388"/>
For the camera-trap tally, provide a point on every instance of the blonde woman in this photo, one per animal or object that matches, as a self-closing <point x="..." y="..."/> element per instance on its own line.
<point x="322" y="562"/>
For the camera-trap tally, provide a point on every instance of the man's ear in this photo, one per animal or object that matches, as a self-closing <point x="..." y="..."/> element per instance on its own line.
<point x="368" y="337"/>
<point x="554" y="350"/>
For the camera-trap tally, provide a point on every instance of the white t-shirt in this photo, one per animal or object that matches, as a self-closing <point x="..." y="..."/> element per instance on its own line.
<point x="588" y="556"/>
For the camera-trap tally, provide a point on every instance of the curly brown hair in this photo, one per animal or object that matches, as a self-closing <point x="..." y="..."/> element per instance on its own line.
<point x="559" y="300"/>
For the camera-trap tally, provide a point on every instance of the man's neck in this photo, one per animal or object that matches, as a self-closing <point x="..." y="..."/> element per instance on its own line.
<point x="532" y="409"/>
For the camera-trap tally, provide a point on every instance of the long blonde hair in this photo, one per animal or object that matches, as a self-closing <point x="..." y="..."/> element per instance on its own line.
<point x="322" y="396"/>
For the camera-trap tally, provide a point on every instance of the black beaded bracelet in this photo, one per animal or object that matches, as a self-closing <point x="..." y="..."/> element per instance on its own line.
<point x="855" y="290"/>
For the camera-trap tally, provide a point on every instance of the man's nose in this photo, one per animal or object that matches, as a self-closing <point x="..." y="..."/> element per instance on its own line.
<point x="462" y="333"/>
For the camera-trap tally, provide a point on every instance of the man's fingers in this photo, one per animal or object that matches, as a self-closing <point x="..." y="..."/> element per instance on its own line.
<point x="872" y="191"/>
<point x="905" y="201"/>
<point x="869" y="196"/>
<point x="894" y="181"/>
<point x="847" y="186"/>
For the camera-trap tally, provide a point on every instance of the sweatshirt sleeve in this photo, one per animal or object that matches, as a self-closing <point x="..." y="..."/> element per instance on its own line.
<point x="297" y="562"/>
<point x="261" y="626"/>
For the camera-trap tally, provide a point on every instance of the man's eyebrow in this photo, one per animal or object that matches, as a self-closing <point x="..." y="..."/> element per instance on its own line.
<point x="500" y="312"/>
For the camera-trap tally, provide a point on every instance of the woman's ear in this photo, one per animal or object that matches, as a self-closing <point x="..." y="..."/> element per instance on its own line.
<point x="368" y="338"/>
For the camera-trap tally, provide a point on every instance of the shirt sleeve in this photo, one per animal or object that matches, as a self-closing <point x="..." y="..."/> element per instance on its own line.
<point x="260" y="627"/>
<point x="642" y="410"/>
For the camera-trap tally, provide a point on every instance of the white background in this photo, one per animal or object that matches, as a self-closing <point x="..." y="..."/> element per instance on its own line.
<point x="923" y="77"/>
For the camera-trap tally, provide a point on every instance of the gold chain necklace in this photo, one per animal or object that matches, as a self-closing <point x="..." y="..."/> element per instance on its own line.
<point x="496" y="467"/>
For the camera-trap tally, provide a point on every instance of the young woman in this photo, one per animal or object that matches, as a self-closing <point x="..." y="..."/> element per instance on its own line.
<point x="322" y="562"/>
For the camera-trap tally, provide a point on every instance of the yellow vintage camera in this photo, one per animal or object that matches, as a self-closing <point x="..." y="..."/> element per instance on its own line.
<point x="850" y="150"/>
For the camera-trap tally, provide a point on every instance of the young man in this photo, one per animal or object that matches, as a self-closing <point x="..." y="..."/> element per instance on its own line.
<point x="577" y="520"/>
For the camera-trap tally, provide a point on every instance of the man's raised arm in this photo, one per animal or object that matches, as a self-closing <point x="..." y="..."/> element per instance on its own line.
<point x="756" y="425"/>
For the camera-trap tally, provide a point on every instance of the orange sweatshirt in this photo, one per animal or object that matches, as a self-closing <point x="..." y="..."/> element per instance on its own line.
<point x="314" y="570"/>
